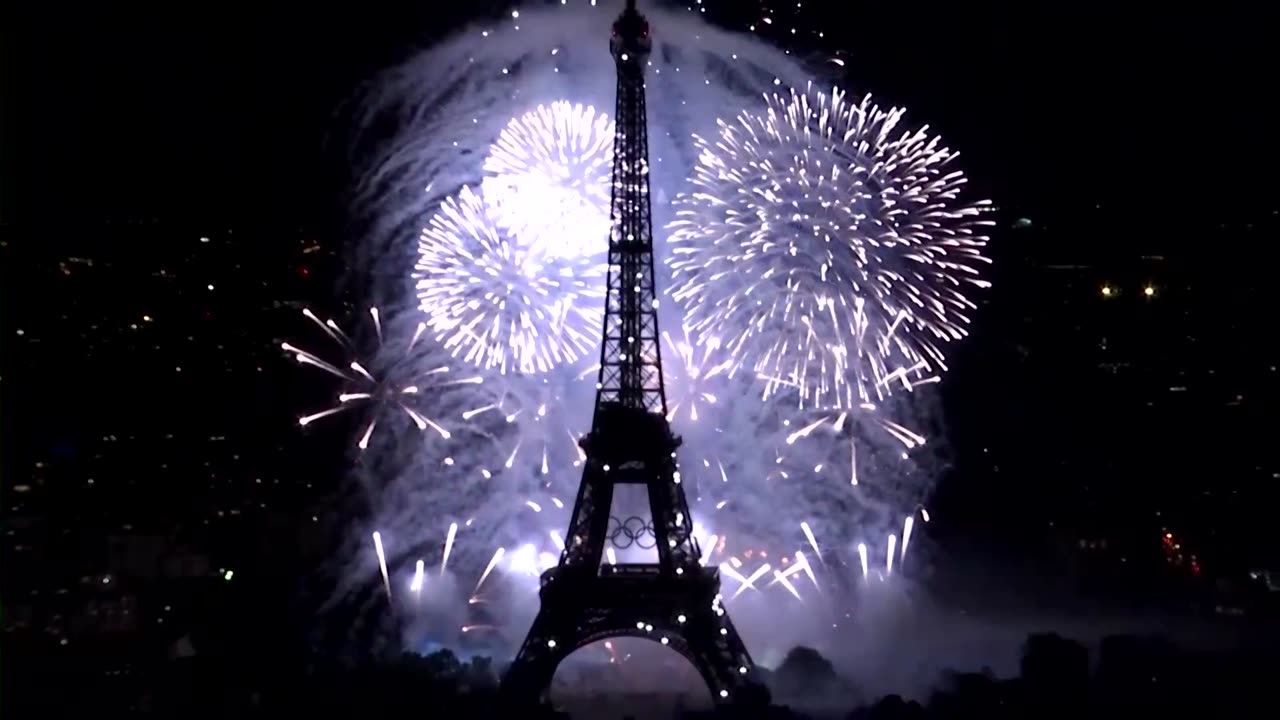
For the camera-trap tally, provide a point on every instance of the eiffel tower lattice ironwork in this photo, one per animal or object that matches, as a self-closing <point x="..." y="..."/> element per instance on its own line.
<point x="675" y="601"/>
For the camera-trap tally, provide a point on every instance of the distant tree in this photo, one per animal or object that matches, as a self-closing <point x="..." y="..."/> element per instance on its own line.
<point x="1055" y="675"/>
<point x="891" y="707"/>
<point x="803" y="672"/>
<point x="809" y="681"/>
<point x="478" y="675"/>
<point x="965" y="695"/>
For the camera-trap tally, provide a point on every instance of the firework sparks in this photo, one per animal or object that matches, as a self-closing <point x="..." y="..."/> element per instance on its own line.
<point x="690" y="373"/>
<point x="548" y="179"/>
<point x="500" y="302"/>
<point x="828" y="248"/>
<point x="537" y="422"/>
<point x="396" y="387"/>
<point x="839" y="424"/>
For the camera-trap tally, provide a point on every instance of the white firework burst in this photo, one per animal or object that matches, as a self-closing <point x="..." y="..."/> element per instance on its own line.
<point x="547" y="180"/>
<point x="828" y="248"/>
<point x="501" y="303"/>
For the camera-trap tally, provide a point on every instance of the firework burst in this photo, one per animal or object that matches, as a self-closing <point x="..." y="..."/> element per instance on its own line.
<point x="499" y="302"/>
<point x="827" y="248"/>
<point x="373" y="387"/>
<point x="547" y="179"/>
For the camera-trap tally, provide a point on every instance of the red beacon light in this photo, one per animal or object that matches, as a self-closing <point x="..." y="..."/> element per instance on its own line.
<point x="630" y="40"/>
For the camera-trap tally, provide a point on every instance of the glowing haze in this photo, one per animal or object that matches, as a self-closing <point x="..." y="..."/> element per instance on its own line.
<point x="483" y="217"/>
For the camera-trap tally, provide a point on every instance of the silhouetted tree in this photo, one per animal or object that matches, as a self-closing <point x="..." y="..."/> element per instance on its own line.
<point x="804" y="672"/>
<point x="1055" y="676"/>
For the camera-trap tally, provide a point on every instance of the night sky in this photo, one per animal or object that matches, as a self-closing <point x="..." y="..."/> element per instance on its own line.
<point x="219" y="110"/>
<point x="1124" y="149"/>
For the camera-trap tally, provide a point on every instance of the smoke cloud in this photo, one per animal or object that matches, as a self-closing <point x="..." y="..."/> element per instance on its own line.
<point x="508" y="471"/>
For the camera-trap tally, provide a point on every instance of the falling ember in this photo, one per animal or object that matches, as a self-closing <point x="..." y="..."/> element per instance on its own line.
<point x="888" y="557"/>
<point x="364" y="439"/>
<point x="803" y="563"/>
<point x="382" y="562"/>
<point x="493" y="562"/>
<point x="731" y="572"/>
<point x="862" y="556"/>
<point x="418" y="577"/>
<point x="749" y="582"/>
<point x="780" y="577"/>
<point x="813" y="541"/>
<point x="907" y="526"/>
<point x="612" y="557"/>
<point x="924" y="514"/>
<point x="448" y="546"/>
<point x="711" y="548"/>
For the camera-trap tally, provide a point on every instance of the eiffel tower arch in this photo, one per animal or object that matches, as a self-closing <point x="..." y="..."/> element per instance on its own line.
<point x="674" y="601"/>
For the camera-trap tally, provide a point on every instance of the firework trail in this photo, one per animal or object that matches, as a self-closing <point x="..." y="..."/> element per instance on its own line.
<point x="825" y="245"/>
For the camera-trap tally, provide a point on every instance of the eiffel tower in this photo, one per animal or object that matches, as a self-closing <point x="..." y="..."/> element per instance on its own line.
<point x="675" y="601"/>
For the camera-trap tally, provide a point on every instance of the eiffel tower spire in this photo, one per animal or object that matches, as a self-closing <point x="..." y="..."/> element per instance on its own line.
<point x="675" y="601"/>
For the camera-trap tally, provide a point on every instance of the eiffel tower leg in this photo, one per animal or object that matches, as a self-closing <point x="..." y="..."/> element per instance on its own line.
<point x="723" y="659"/>
<point x="705" y="637"/>
<point x="527" y="682"/>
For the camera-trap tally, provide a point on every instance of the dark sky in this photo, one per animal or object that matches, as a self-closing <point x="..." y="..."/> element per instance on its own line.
<point x="218" y="108"/>
<point x="1128" y="132"/>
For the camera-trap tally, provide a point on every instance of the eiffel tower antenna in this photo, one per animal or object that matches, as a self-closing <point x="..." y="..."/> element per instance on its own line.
<point x="675" y="601"/>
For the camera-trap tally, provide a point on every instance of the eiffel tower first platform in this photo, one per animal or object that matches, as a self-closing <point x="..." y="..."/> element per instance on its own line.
<point x="675" y="601"/>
